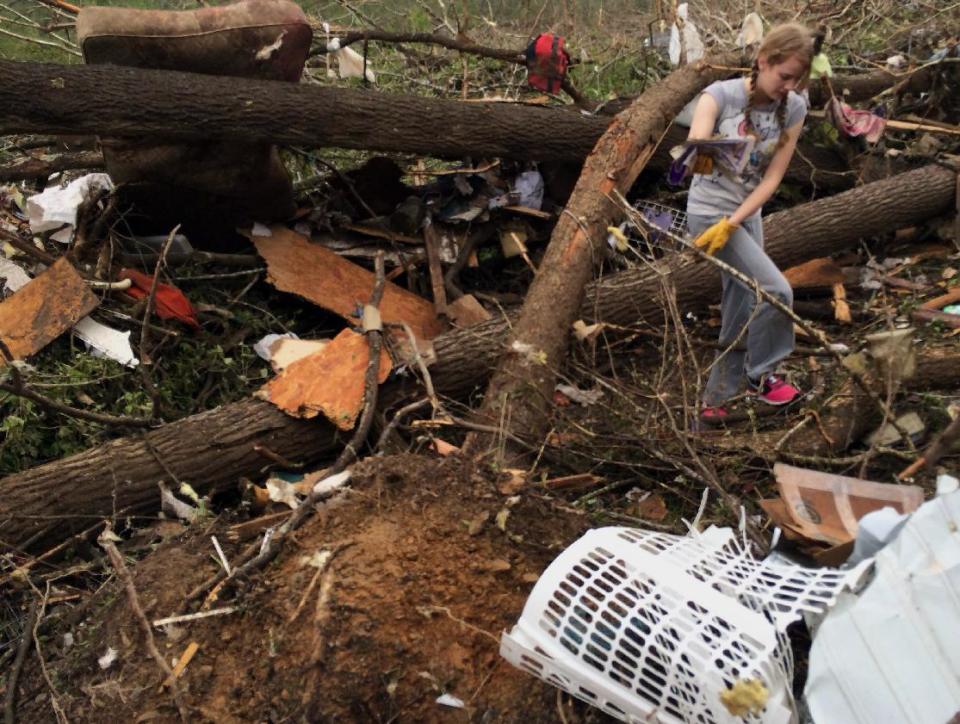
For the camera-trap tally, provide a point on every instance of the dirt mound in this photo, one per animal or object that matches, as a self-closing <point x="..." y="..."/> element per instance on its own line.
<point x="422" y="582"/>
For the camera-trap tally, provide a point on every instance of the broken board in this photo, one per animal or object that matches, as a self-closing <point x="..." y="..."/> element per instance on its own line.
<point x="44" y="309"/>
<point x="330" y="381"/>
<point x="328" y="280"/>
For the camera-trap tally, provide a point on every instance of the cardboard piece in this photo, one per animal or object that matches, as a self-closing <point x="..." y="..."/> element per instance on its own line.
<point x="825" y="507"/>
<point x="42" y="310"/>
<point x="330" y="381"/>
<point x="328" y="280"/>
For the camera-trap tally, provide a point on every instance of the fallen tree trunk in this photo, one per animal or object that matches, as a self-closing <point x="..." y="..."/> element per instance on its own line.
<point x="190" y="107"/>
<point x="804" y="232"/>
<point x="519" y="394"/>
<point x="213" y="449"/>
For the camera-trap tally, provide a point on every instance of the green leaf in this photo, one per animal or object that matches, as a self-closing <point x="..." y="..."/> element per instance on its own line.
<point x="820" y="67"/>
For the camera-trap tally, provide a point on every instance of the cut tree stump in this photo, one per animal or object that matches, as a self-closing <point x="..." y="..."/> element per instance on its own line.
<point x="214" y="449"/>
<point x="521" y="389"/>
<point x="189" y="107"/>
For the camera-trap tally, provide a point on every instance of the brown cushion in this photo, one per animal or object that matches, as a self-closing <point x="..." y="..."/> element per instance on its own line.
<point x="265" y="39"/>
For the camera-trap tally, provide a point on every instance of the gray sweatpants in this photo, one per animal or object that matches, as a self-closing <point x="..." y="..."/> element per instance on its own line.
<point x="769" y="336"/>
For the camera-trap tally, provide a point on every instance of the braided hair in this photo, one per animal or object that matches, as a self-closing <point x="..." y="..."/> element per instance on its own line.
<point x="781" y="43"/>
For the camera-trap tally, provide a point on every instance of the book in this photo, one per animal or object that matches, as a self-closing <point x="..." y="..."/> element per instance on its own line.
<point x="728" y="155"/>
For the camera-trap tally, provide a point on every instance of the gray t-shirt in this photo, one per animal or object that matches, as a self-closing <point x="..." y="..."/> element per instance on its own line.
<point x="716" y="194"/>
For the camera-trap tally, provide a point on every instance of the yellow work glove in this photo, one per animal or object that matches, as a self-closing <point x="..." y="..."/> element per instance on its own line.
<point x="713" y="239"/>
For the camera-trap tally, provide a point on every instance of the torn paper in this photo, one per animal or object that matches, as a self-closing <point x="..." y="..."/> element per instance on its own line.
<point x="105" y="341"/>
<point x="57" y="206"/>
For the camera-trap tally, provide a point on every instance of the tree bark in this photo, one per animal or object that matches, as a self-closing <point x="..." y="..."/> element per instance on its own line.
<point x="521" y="389"/>
<point x="191" y="107"/>
<point x="187" y="106"/>
<point x="213" y="449"/>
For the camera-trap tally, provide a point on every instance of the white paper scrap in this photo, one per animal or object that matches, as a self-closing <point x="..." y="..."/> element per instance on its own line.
<point x="57" y="206"/>
<point x="106" y="341"/>
<point x="280" y="491"/>
<point x="332" y="483"/>
<point x="351" y="65"/>
<point x="450" y="700"/>
<point x="264" y="348"/>
<point x="13" y="276"/>
<point x="106" y="661"/>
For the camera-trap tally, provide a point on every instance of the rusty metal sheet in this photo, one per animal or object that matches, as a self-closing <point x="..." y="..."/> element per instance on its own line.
<point x="330" y="381"/>
<point x="328" y="280"/>
<point x="44" y="309"/>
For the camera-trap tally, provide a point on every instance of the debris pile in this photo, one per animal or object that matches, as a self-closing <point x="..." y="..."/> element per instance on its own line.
<point x="346" y="366"/>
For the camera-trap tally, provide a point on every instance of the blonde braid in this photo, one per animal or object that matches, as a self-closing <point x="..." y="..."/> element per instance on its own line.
<point x="752" y="101"/>
<point x="782" y="121"/>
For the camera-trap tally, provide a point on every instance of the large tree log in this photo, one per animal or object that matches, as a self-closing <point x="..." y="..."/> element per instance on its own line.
<point x="521" y="389"/>
<point x="213" y="449"/>
<point x="188" y="107"/>
<point x="804" y="232"/>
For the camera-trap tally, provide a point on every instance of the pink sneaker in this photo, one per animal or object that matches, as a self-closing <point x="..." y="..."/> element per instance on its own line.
<point x="774" y="390"/>
<point x="711" y="415"/>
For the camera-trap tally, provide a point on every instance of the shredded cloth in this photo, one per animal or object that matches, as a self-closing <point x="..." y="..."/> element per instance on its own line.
<point x="170" y="302"/>
<point x="853" y="123"/>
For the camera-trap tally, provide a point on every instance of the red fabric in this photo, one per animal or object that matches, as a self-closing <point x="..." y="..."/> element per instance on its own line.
<point x="547" y="62"/>
<point x="169" y="303"/>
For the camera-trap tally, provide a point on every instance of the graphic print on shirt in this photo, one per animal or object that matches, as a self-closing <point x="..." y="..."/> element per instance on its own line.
<point x="766" y="132"/>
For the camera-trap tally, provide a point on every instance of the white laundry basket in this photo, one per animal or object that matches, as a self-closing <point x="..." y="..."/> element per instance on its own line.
<point x="652" y="627"/>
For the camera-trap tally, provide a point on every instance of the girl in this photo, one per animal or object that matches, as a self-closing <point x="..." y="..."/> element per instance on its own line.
<point x="724" y="213"/>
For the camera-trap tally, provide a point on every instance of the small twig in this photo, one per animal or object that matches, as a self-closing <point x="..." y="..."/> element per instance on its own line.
<point x="275" y="457"/>
<point x="26" y="247"/>
<point x="19" y="387"/>
<point x="54" y="699"/>
<point x="395" y="422"/>
<point x="160" y="622"/>
<point x="13" y="678"/>
<point x="936" y="450"/>
<point x="133" y="599"/>
<point x="151" y="299"/>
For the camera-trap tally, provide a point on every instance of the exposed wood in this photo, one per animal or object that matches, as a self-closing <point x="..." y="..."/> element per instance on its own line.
<point x="328" y="280"/>
<point x="329" y="381"/>
<point x="520" y="391"/>
<point x="945" y="442"/>
<point x="432" y="241"/>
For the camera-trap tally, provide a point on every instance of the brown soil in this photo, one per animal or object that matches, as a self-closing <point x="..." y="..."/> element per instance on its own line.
<point x="417" y="600"/>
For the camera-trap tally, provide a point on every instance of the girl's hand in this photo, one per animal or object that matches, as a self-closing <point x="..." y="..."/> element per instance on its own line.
<point x="715" y="238"/>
